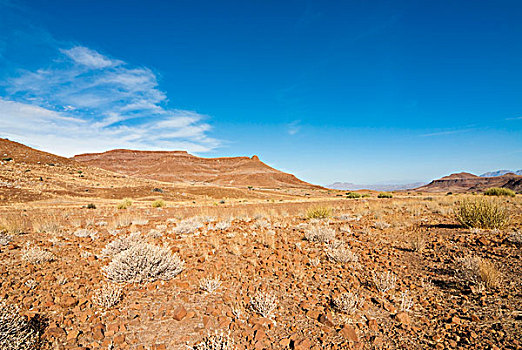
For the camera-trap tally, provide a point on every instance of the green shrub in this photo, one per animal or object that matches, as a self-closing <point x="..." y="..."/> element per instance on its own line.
<point x="124" y="204"/>
<point x="318" y="212"/>
<point x="158" y="203"/>
<point x="366" y="195"/>
<point x="481" y="213"/>
<point x="353" y="195"/>
<point x="91" y="206"/>
<point x="385" y="195"/>
<point x="499" y="191"/>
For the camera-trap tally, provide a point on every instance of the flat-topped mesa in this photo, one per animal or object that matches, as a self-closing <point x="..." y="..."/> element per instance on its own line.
<point x="181" y="166"/>
<point x="467" y="182"/>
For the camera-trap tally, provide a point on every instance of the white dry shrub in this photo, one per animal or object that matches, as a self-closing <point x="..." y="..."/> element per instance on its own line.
<point x="210" y="285"/>
<point x="348" y="302"/>
<point x="320" y="234"/>
<point x="85" y="232"/>
<point x="222" y="225"/>
<point x="36" y="255"/>
<point x="16" y="332"/>
<point x="144" y="262"/>
<point x="217" y="341"/>
<point x="261" y="224"/>
<point x="5" y="239"/>
<point x="264" y="303"/>
<point x="120" y="244"/>
<point x="406" y="301"/>
<point x="381" y="225"/>
<point x="384" y="281"/>
<point x="340" y="254"/>
<point x="139" y="221"/>
<point x="108" y="296"/>
<point x="188" y="226"/>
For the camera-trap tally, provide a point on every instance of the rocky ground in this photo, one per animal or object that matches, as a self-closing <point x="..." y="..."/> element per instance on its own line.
<point x="377" y="273"/>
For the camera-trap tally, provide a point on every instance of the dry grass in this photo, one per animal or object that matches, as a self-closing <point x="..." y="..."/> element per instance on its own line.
<point x="264" y="303"/>
<point x="481" y="272"/>
<point x="318" y="233"/>
<point x="319" y="212"/>
<point x="481" y="213"/>
<point x="36" y="255"/>
<point x="384" y="281"/>
<point x="348" y="302"/>
<point x="159" y="203"/>
<point x="219" y="340"/>
<point x="108" y="296"/>
<point x="14" y="224"/>
<point x="124" y="204"/>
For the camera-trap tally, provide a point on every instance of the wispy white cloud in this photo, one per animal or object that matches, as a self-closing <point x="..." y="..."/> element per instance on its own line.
<point x="294" y="127"/>
<point x="85" y="101"/>
<point x="447" y="132"/>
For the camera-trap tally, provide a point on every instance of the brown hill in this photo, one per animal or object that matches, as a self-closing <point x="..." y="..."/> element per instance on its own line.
<point x="27" y="174"/>
<point x="180" y="166"/>
<point x="466" y="182"/>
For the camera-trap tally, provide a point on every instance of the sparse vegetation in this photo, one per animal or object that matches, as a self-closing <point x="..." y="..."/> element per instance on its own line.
<point x="384" y="281"/>
<point x="159" y="203"/>
<point x="16" y="331"/>
<point x="348" y="302"/>
<point x="499" y="191"/>
<point x="209" y="285"/>
<point x="476" y="270"/>
<point x="36" y="255"/>
<point x="353" y="195"/>
<point x="219" y="340"/>
<point x="319" y="212"/>
<point x="124" y="204"/>
<point x="385" y="195"/>
<point x="108" y="296"/>
<point x="144" y="262"/>
<point x="481" y="213"/>
<point x="264" y="303"/>
<point x="318" y="233"/>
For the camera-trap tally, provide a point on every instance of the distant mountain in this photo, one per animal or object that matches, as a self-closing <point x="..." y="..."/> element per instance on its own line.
<point x="347" y="186"/>
<point x="500" y="173"/>
<point x="466" y="182"/>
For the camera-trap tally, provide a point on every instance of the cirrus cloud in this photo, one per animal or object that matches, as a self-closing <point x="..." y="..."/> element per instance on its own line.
<point x="85" y="101"/>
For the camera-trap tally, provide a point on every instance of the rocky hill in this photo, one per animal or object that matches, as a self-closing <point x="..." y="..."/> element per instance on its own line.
<point x="182" y="167"/>
<point x="467" y="182"/>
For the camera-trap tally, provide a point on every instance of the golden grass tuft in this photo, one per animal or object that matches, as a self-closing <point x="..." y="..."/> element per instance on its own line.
<point x="124" y="204"/>
<point x="481" y="213"/>
<point x="319" y="212"/>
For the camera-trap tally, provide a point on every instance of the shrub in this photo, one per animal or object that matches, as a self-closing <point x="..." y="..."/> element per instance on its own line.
<point x="348" y="302"/>
<point x="120" y="244"/>
<point x="476" y="270"/>
<point x="124" y="204"/>
<point x="480" y="213"/>
<point x="385" y="195"/>
<point x="144" y="262"/>
<point x="188" y="226"/>
<point x="217" y="341"/>
<point x="108" y="296"/>
<point x="5" y="239"/>
<point x="14" y="224"/>
<point x="353" y="195"/>
<point x="210" y="285"/>
<point x="36" y="255"/>
<point x="16" y="331"/>
<point x="384" y="281"/>
<point x="158" y="203"/>
<point x="318" y="212"/>
<point x="91" y="206"/>
<point x="341" y="254"/>
<point x="320" y="234"/>
<point x="499" y="191"/>
<point x="264" y="303"/>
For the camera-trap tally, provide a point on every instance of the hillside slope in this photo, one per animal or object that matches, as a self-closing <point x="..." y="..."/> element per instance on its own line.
<point x="180" y="166"/>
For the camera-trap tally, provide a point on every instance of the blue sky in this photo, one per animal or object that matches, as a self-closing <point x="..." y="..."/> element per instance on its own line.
<point x="356" y="91"/>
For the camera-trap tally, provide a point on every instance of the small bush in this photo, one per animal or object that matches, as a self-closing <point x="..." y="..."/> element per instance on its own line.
<point x="14" y="224"/>
<point x="353" y="195"/>
<point x="320" y="234"/>
<point x="158" y="203"/>
<point x="108" y="296"/>
<point x="91" y="206"/>
<point x="499" y="191"/>
<point x="5" y="239"/>
<point x="120" y="244"/>
<point x="481" y="213"/>
<point x="188" y="226"/>
<point x="264" y="303"/>
<point x="16" y="331"/>
<point x="144" y="262"/>
<point x="124" y="204"/>
<point x="217" y="341"/>
<point x="384" y="281"/>
<point x="385" y="195"/>
<point x="348" y="302"/>
<point x="210" y="285"/>
<point x="318" y="212"/>
<point x="476" y="270"/>
<point x="341" y="254"/>
<point x="36" y="255"/>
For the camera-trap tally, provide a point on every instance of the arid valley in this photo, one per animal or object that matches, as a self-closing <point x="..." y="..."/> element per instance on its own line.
<point x="96" y="259"/>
